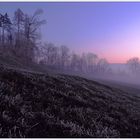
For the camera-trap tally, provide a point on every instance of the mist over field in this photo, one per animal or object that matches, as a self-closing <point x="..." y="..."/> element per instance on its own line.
<point x="69" y="70"/>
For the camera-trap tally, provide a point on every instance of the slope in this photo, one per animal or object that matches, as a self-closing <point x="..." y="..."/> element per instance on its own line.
<point x="42" y="105"/>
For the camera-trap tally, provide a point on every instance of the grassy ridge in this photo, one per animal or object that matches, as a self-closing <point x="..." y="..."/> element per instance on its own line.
<point x="39" y="105"/>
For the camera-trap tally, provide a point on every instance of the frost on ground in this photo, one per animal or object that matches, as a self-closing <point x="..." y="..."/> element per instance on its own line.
<point x="39" y="105"/>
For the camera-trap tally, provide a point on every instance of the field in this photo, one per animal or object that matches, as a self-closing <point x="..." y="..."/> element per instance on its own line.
<point x="34" y="105"/>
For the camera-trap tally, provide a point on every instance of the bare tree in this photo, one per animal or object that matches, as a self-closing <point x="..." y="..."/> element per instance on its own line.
<point x="91" y="61"/>
<point x="31" y="28"/>
<point x="10" y="35"/>
<point x="24" y="33"/>
<point x="1" y="18"/>
<point x="102" y="66"/>
<point x="5" y="23"/>
<point x="32" y="24"/>
<point x="64" y="56"/>
<point x="50" y="53"/>
<point x="18" y="21"/>
<point x="76" y="64"/>
<point x="134" y="65"/>
<point x="84" y="64"/>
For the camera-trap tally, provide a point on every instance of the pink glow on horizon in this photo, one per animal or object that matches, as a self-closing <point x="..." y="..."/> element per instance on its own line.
<point x="114" y="51"/>
<point x="119" y="48"/>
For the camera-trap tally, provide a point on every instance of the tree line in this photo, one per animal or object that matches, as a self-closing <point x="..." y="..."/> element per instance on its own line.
<point x="20" y="33"/>
<point x="134" y="66"/>
<point x="64" y="59"/>
<point x="20" y="36"/>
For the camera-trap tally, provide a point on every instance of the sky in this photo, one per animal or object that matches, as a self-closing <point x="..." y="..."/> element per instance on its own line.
<point x="109" y="29"/>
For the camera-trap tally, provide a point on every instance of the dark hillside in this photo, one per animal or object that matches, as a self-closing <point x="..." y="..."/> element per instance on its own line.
<point x="39" y="105"/>
<point x="11" y="61"/>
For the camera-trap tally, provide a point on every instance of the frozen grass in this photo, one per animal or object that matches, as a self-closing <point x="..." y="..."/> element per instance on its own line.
<point x="39" y="105"/>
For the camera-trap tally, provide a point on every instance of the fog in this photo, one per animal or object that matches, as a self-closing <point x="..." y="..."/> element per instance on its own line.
<point x="89" y="65"/>
<point x="20" y="39"/>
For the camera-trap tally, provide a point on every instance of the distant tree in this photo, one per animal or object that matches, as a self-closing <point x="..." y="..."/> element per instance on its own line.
<point x="18" y="21"/>
<point x="76" y="62"/>
<point x="56" y="56"/>
<point x="5" y="24"/>
<point x="102" y="66"/>
<point x="1" y="19"/>
<point x="10" y="31"/>
<point x="134" y="65"/>
<point x="2" y="25"/>
<point x="84" y="64"/>
<point x="31" y="27"/>
<point x="91" y="60"/>
<point x="50" y="54"/>
<point x="32" y="24"/>
<point x="64" y="56"/>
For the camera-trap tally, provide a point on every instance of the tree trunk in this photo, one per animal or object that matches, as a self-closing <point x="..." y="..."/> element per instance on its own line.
<point x="0" y="36"/>
<point x="3" y="36"/>
<point x="18" y="42"/>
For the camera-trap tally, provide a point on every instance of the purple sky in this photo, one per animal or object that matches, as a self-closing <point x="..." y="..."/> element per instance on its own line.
<point x="111" y="30"/>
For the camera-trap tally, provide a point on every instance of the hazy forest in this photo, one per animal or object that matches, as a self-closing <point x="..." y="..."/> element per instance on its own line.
<point x="51" y="91"/>
<point x="20" y="37"/>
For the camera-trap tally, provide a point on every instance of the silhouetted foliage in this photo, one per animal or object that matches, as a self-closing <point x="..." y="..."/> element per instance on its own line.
<point x="20" y="36"/>
<point x="134" y="65"/>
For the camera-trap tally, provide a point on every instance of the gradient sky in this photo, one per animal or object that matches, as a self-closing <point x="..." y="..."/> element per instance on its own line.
<point x="109" y="29"/>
